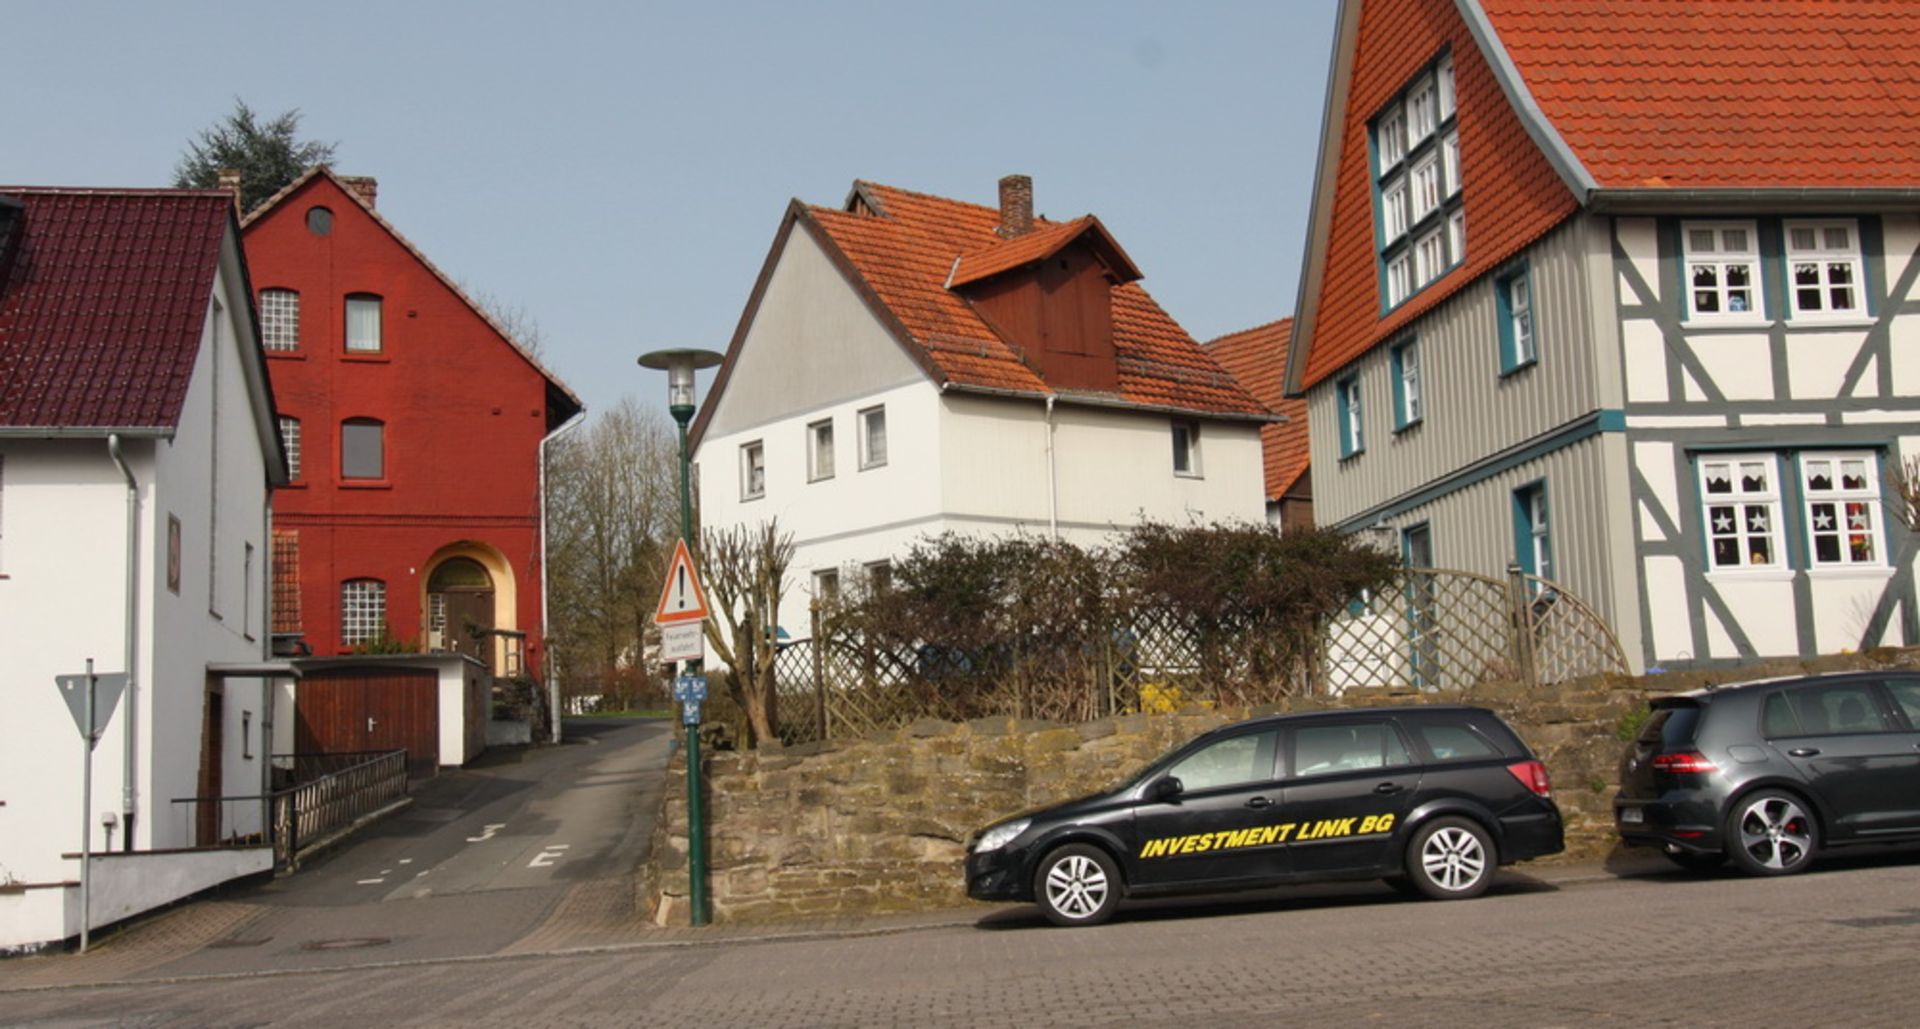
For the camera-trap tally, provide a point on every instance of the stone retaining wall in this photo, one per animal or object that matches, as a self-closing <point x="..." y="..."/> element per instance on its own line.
<point x="875" y="825"/>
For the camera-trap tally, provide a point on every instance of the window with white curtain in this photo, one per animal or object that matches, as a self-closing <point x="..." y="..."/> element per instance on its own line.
<point x="363" y="324"/>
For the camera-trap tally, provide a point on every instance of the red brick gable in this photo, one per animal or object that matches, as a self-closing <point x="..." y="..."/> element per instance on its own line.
<point x="104" y="301"/>
<point x="1258" y="358"/>
<point x="1706" y="94"/>
<point x="1511" y="194"/>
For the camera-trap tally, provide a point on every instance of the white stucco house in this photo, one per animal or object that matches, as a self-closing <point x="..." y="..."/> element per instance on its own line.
<point x="909" y="365"/>
<point x="137" y="454"/>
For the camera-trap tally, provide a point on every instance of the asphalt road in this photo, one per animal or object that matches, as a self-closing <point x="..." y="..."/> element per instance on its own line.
<point x="1569" y="946"/>
<point x="487" y="857"/>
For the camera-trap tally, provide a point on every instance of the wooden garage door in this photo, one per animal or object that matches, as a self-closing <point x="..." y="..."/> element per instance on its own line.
<point x="344" y="711"/>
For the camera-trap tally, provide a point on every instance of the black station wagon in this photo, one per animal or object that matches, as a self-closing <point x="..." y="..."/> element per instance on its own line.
<point x="1429" y="798"/>
<point x="1768" y="774"/>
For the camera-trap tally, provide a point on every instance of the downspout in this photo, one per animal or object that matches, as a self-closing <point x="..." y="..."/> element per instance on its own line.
<point x="1053" y="481"/>
<point x="129" y="703"/>
<point x="553" y="683"/>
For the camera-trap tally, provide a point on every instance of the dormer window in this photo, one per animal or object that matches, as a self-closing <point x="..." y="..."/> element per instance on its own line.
<point x="1417" y="179"/>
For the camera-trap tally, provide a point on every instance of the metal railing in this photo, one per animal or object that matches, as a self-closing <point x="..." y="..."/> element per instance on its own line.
<point x="343" y="789"/>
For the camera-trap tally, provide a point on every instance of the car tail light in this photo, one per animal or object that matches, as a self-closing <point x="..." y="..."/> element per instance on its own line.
<point x="1691" y="762"/>
<point x="1532" y="775"/>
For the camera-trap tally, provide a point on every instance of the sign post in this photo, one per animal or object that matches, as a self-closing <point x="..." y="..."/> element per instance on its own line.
<point x="681" y="616"/>
<point x="91" y="699"/>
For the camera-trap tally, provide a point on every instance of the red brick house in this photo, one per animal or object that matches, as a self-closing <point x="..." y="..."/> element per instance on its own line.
<point x="413" y="425"/>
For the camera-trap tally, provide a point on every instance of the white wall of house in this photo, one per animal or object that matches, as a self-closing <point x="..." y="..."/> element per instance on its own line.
<point x="1780" y="386"/>
<point x="62" y="600"/>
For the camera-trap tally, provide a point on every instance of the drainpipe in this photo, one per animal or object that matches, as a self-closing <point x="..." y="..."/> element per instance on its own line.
<point x="1053" y="483"/>
<point x="553" y="684"/>
<point x="129" y="703"/>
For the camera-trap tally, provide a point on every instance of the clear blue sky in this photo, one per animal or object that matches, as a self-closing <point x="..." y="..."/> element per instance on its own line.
<point x="617" y="170"/>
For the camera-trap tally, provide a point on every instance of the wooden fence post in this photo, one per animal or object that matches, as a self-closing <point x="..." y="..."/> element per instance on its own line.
<point x="819" y="669"/>
<point x="1520" y="625"/>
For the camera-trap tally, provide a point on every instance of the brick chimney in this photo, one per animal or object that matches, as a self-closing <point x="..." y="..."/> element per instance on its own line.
<point x="1016" y="206"/>
<point x="229" y="180"/>
<point x="362" y="186"/>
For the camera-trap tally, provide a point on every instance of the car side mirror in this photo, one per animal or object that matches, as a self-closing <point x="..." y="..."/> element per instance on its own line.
<point x="1165" y="789"/>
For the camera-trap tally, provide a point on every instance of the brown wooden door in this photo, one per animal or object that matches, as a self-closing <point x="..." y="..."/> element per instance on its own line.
<point x="212" y="755"/>
<point x="345" y="711"/>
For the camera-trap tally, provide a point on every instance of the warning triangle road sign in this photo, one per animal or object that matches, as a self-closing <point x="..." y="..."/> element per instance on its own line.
<point x="681" y="598"/>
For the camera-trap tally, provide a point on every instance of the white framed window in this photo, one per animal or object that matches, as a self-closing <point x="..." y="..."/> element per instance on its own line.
<point x="1408" y="402"/>
<point x="363" y="610"/>
<point x="1842" y="492"/>
<point x="873" y="437"/>
<point x="1539" y="532"/>
<point x="820" y="450"/>
<point x="279" y="319"/>
<point x="1422" y="114"/>
<point x="246" y="591"/>
<point x="363" y="324"/>
<point x="1399" y="278"/>
<point x="363" y="449"/>
<point x="753" y="470"/>
<point x="1723" y="270"/>
<point x="1390" y="137"/>
<point x="1420" y="206"/>
<point x="1186" y="447"/>
<point x="1824" y="268"/>
<point x="1352" y="437"/>
<point x="826" y="585"/>
<point x="879" y="575"/>
<point x="1429" y="257"/>
<point x="1521" y="348"/>
<point x="290" y="442"/>
<point x="1742" y="498"/>
<point x="1393" y="209"/>
<point x="1425" y="179"/>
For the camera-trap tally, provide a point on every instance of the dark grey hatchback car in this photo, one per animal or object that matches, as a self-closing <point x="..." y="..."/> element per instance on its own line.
<point x="1768" y="774"/>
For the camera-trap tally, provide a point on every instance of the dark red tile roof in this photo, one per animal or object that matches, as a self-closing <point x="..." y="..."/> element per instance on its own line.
<point x="1258" y="358"/>
<point x="907" y="250"/>
<point x="1706" y="94"/>
<point x="102" y="310"/>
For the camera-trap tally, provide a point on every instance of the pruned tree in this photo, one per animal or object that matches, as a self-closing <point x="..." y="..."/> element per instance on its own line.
<point x="613" y="503"/>
<point x="1905" y="479"/>
<point x="745" y="572"/>
<point x="267" y="152"/>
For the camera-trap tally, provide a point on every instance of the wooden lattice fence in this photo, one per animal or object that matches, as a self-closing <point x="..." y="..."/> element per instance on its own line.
<point x="1430" y="629"/>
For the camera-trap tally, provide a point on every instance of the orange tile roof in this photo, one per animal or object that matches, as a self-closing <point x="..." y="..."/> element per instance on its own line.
<point x="1648" y="95"/>
<point x="1258" y="358"/>
<point x="905" y="252"/>
<point x="1511" y="194"/>
<point x="1706" y="94"/>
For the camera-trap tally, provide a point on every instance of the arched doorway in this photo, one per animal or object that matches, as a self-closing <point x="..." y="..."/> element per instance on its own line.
<point x="460" y="608"/>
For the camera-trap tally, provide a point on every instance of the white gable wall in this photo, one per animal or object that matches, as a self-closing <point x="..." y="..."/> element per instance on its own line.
<point x="62" y="600"/>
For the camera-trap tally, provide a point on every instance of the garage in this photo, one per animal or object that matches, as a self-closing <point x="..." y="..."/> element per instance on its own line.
<point x="352" y="710"/>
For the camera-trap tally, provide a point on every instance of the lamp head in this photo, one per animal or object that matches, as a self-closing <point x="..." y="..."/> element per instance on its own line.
<point x="680" y="364"/>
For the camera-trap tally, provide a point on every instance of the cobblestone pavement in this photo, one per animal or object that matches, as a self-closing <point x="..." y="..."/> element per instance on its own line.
<point x="1564" y="947"/>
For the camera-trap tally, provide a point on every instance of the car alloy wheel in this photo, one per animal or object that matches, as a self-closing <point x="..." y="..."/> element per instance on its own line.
<point x="1770" y="833"/>
<point x="1451" y="859"/>
<point x="1077" y="885"/>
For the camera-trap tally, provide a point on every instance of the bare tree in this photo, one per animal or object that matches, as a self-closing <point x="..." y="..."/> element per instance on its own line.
<point x="1906" y="492"/>
<point x="745" y="571"/>
<point x="515" y="320"/>
<point x="614" y="510"/>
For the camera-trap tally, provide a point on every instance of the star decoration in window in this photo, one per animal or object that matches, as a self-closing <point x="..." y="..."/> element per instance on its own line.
<point x="1756" y="521"/>
<point x="1823" y="521"/>
<point x="1723" y="522"/>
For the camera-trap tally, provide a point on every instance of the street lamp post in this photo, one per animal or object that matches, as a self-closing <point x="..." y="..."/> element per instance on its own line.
<point x="680" y="364"/>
